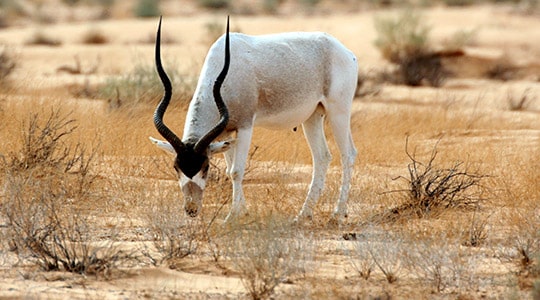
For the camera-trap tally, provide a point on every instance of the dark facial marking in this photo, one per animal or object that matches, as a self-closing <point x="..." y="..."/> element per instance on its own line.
<point x="190" y="162"/>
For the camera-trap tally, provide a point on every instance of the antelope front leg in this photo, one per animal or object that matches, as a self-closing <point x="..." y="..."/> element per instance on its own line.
<point x="236" y="168"/>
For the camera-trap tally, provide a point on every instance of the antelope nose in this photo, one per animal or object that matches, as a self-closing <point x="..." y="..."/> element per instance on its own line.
<point x="192" y="211"/>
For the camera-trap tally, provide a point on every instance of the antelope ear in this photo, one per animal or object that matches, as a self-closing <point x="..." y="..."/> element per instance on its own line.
<point x="164" y="145"/>
<point x="219" y="147"/>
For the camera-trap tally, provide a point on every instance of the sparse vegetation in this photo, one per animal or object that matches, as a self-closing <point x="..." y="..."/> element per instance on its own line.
<point x="94" y="36"/>
<point x="175" y="235"/>
<point x="141" y="86"/>
<point x="477" y="233"/>
<point x="40" y="38"/>
<point x="432" y="188"/>
<point x="460" y="39"/>
<point x="214" y="4"/>
<point x="270" y="6"/>
<point x="403" y="37"/>
<point x="8" y="63"/>
<point x="502" y="69"/>
<point x="43" y="183"/>
<point x="386" y="255"/>
<point x="440" y="262"/>
<point x="362" y="260"/>
<point x="267" y="255"/>
<point x="405" y="41"/>
<point x="519" y="103"/>
<point x="147" y="8"/>
<point x="10" y="9"/>
<point x="78" y="68"/>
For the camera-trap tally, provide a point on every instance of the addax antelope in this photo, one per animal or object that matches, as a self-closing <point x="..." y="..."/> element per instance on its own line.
<point x="277" y="81"/>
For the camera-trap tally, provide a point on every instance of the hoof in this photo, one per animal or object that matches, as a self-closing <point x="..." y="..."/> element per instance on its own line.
<point x="234" y="216"/>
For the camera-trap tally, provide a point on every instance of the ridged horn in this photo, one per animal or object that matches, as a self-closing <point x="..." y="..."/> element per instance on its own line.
<point x="205" y="141"/>
<point x="164" y="103"/>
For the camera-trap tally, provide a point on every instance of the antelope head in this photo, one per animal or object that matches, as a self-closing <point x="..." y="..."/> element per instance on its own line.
<point x="192" y="158"/>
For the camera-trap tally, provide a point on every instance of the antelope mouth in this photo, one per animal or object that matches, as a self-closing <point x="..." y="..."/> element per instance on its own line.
<point x="192" y="198"/>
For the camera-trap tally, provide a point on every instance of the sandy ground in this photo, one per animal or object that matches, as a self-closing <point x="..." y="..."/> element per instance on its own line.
<point x="500" y="33"/>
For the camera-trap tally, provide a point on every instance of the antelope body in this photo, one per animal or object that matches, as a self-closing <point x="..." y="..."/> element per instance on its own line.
<point x="276" y="81"/>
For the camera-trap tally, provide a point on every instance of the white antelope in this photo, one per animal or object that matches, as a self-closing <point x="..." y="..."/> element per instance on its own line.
<point x="276" y="81"/>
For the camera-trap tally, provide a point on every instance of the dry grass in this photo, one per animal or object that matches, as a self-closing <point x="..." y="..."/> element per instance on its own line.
<point x="137" y="181"/>
<point x="268" y="254"/>
<point x="46" y="184"/>
<point x="8" y="62"/>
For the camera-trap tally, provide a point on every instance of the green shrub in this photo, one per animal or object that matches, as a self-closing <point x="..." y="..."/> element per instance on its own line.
<point x="405" y="41"/>
<point x="214" y="4"/>
<point x="147" y="8"/>
<point x="403" y="37"/>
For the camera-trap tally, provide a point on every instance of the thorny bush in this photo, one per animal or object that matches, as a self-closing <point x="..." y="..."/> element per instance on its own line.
<point x="431" y="188"/>
<point x="45" y="185"/>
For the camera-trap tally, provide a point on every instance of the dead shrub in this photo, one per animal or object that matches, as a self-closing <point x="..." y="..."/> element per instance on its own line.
<point x="175" y="236"/>
<point x="526" y="243"/>
<point x="440" y="261"/>
<point x="44" y="227"/>
<point x="362" y="260"/>
<point x="432" y="189"/>
<point x="44" y="151"/>
<point x="387" y="256"/>
<point x="419" y="67"/>
<point x="477" y="233"/>
<point x="267" y="254"/>
<point x="45" y="181"/>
